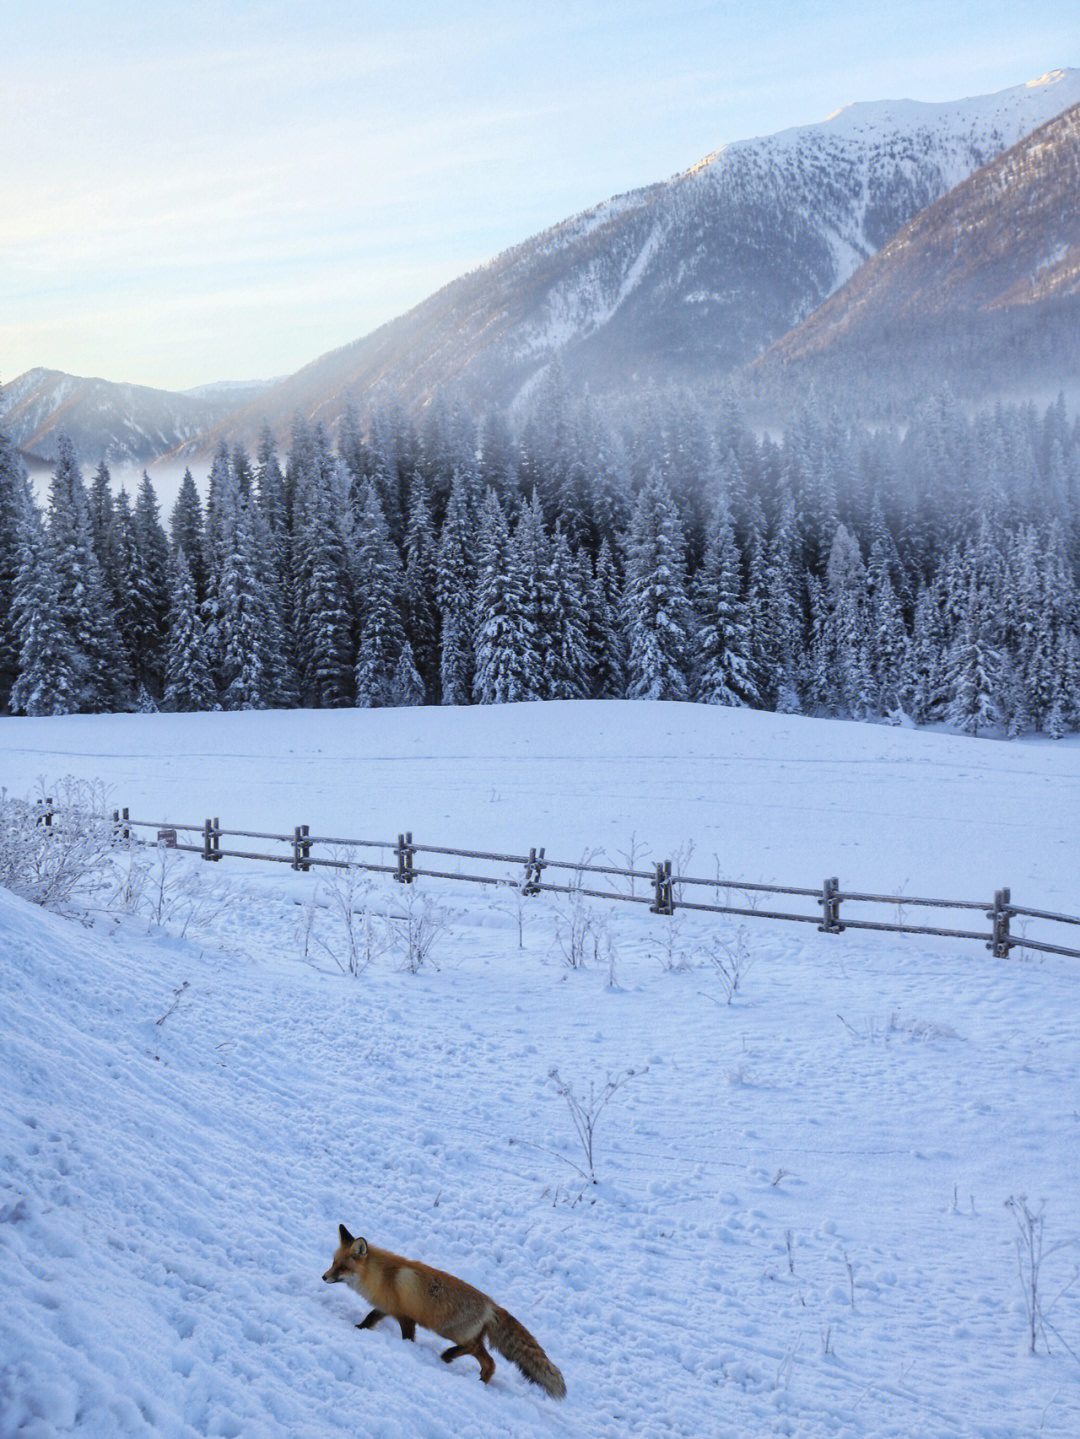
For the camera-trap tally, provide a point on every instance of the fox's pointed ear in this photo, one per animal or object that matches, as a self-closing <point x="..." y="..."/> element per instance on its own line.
<point x="359" y="1248"/>
<point x="344" y="1235"/>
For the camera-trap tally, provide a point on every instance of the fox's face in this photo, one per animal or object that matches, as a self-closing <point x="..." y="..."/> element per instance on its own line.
<point x="348" y="1257"/>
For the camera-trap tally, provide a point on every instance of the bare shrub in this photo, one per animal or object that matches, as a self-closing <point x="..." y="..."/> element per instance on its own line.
<point x="585" y="1111"/>
<point x="169" y="890"/>
<point x="415" y="930"/>
<point x="580" y="930"/>
<point x="1030" y="1254"/>
<point x="666" y="944"/>
<point x="348" y="893"/>
<point x="730" y="960"/>
<point x="56" y="851"/>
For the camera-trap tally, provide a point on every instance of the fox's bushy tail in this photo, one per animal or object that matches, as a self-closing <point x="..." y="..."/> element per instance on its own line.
<point x="514" y="1342"/>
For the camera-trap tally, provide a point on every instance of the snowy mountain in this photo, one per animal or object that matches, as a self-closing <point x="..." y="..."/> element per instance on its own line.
<point x="981" y="290"/>
<point x="116" y="422"/>
<point x="683" y="280"/>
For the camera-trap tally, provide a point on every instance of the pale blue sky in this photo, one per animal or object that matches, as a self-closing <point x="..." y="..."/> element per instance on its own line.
<point x="194" y="192"/>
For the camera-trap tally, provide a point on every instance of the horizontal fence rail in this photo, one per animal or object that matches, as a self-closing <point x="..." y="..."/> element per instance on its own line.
<point x="664" y="895"/>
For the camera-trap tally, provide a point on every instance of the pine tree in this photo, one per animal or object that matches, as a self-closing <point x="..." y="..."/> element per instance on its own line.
<point x="188" y="682"/>
<point x="243" y="633"/>
<point x="186" y="531"/>
<point x="321" y="581"/>
<point x="567" y="661"/>
<point x="606" y="644"/>
<point x="48" y="680"/>
<point x="846" y="588"/>
<point x="974" y="671"/>
<point x="421" y="624"/>
<point x="530" y="560"/>
<point x="455" y="578"/>
<point x="406" y="686"/>
<point x="15" y="503"/>
<point x="101" y="513"/>
<point x="722" y="665"/>
<point x="380" y="593"/>
<point x="499" y="676"/>
<point x="103" y="679"/>
<point x="153" y="550"/>
<point x="133" y="592"/>
<point x="780" y="614"/>
<point x="658" y="616"/>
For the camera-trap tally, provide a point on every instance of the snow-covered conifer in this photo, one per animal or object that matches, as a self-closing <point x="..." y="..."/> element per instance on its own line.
<point x="658" y="615"/>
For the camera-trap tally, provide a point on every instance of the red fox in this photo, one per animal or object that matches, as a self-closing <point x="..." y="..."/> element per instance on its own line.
<point x="415" y="1294"/>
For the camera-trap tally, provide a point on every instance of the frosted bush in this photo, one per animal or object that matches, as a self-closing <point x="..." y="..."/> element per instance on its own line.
<point x="55" y="852"/>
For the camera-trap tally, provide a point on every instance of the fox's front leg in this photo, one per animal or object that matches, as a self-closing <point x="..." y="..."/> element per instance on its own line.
<point x="408" y="1326"/>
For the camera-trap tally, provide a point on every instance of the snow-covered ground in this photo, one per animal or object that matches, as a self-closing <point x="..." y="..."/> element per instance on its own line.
<point x="800" y="1223"/>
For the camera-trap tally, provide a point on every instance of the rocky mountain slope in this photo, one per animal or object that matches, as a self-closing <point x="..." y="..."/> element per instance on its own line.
<point x="684" y="280"/>
<point x="116" y="422"/>
<point x="980" y="291"/>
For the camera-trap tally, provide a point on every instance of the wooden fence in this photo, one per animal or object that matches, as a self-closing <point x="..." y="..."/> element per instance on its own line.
<point x="665" y="891"/>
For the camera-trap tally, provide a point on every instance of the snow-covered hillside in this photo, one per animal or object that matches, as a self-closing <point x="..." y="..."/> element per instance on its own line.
<point x="800" y="1224"/>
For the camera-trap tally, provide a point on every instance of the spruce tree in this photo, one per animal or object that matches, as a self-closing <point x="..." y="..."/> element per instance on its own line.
<point x="321" y="579"/>
<point x="606" y="642"/>
<point x="406" y="686"/>
<point x="186" y="531"/>
<point x="421" y="624"/>
<point x="15" y="503"/>
<point x="103" y="679"/>
<point x="974" y="673"/>
<point x="722" y="662"/>
<point x="567" y="661"/>
<point x="499" y="675"/>
<point x="455" y="579"/>
<point x="153" y="550"/>
<point x="380" y="593"/>
<point x="189" y="684"/>
<point x="658" y="615"/>
<point x="48" y="680"/>
<point x="530" y="560"/>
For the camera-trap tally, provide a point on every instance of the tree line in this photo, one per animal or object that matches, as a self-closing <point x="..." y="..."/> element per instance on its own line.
<point x="921" y="574"/>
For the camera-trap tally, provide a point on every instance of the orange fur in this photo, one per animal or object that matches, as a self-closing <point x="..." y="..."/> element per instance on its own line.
<point x="414" y="1293"/>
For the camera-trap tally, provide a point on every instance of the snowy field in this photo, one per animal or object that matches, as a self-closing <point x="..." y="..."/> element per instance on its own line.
<point x="799" y="1224"/>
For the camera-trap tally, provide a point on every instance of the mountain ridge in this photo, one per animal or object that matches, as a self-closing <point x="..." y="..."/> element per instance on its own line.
<point x="980" y="287"/>
<point x="684" y="281"/>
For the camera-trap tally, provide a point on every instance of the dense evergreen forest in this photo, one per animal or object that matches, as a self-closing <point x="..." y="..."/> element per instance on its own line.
<point x="929" y="574"/>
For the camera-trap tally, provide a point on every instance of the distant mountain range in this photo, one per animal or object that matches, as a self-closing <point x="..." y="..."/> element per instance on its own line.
<point x="980" y="291"/>
<point x="131" y="424"/>
<point x="686" y="281"/>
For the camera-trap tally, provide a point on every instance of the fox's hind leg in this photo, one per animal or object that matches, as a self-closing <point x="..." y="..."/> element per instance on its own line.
<point x="476" y="1348"/>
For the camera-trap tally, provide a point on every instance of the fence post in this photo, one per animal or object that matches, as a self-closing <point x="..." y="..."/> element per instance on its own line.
<point x="1000" y="943"/>
<point x="404" y="852"/>
<point x="534" y="866"/>
<point x="301" y="848"/>
<point x="830" y="907"/>
<point x="664" y="895"/>
<point x="45" y="812"/>
<point x="211" y="841"/>
<point x="121" y="832"/>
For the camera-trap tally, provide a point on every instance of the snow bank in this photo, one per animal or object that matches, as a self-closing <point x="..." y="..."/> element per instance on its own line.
<point x="800" y="1221"/>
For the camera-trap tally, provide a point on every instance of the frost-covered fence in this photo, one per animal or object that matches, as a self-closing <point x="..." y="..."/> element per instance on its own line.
<point x="665" y="891"/>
